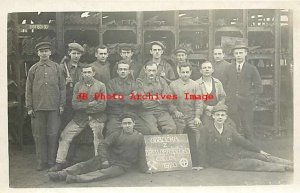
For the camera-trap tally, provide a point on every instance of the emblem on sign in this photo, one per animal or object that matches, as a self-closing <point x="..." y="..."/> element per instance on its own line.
<point x="184" y="162"/>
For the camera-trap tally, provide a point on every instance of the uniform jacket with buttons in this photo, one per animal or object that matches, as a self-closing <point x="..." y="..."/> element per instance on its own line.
<point x="45" y="87"/>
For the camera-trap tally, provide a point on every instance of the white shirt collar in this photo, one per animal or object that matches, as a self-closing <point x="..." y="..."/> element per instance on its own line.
<point x="220" y="130"/>
<point x="241" y="66"/>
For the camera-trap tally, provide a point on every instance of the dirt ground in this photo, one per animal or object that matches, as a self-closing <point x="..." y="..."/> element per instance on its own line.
<point x="22" y="173"/>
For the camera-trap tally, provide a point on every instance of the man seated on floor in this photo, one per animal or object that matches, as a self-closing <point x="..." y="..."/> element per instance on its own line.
<point x="88" y="111"/>
<point x="117" y="153"/>
<point x="226" y="149"/>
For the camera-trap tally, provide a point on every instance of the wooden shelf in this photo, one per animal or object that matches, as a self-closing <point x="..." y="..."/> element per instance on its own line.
<point x="193" y="28"/>
<point x="229" y="29"/>
<point x="159" y="28"/>
<point x="121" y="28"/>
<point x="81" y="27"/>
<point x="261" y="29"/>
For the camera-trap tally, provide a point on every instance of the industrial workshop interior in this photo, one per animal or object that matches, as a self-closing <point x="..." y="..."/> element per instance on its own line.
<point x="267" y="32"/>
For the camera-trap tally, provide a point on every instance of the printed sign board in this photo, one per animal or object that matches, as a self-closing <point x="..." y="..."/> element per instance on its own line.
<point x="168" y="152"/>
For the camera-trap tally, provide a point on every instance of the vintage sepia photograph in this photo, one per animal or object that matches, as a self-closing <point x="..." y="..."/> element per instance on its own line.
<point x="161" y="98"/>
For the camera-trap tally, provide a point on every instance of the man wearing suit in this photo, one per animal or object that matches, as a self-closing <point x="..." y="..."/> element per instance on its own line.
<point x="242" y="84"/>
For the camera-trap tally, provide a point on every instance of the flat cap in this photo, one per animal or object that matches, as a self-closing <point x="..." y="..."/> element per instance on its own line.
<point x="76" y="46"/>
<point x="181" y="50"/>
<point x="43" y="45"/>
<point x="126" y="46"/>
<point x="219" y="108"/>
<point x="158" y="43"/>
<point x="240" y="46"/>
<point x="127" y="115"/>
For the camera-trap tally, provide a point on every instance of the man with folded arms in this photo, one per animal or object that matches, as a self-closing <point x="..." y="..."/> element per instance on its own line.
<point x="88" y="111"/>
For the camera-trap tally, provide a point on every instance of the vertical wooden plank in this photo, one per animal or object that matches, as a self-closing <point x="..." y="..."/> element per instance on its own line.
<point x="211" y="32"/>
<point x="140" y="35"/>
<point x="290" y="16"/>
<point x="277" y="72"/>
<point x="60" y="33"/>
<point x="290" y="64"/>
<point x="16" y="63"/>
<point x="176" y="26"/>
<point x="100" y="28"/>
<point x="245" y="23"/>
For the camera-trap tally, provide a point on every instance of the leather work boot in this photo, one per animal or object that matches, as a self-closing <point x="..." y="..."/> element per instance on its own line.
<point x="71" y="179"/>
<point x="58" y="176"/>
<point x="57" y="167"/>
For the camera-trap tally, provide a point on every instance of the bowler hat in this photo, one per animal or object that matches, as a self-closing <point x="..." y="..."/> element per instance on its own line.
<point x="76" y="46"/>
<point x="43" y="45"/>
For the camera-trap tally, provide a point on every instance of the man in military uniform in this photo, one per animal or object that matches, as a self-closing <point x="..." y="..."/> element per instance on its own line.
<point x="181" y="54"/>
<point x="186" y="113"/>
<point x="117" y="154"/>
<point x="242" y="85"/>
<point x="225" y="148"/>
<point x="45" y="100"/>
<point x="101" y="65"/>
<point x="72" y="70"/>
<point x="155" y="112"/>
<point x="88" y="111"/>
<point x="164" y="69"/>
<point x="126" y="51"/>
<point x="219" y="63"/>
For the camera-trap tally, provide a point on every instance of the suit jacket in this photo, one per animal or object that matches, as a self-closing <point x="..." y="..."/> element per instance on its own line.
<point x="241" y="90"/>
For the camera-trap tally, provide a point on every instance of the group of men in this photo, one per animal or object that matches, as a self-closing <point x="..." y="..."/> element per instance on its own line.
<point x="63" y="95"/>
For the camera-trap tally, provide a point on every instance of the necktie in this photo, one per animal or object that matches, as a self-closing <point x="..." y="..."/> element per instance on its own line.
<point x="239" y="68"/>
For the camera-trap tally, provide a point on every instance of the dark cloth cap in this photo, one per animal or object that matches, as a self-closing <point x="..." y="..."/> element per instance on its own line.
<point x="43" y="45"/>
<point x="127" y="115"/>
<point x="181" y="50"/>
<point x="219" y="108"/>
<point x="76" y="46"/>
<point x="158" y="43"/>
<point x="240" y="46"/>
<point x="126" y="46"/>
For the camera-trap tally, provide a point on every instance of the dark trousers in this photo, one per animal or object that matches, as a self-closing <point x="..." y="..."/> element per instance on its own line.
<point x="243" y="119"/>
<point x="251" y="161"/>
<point x="92" y="170"/>
<point x="45" y="129"/>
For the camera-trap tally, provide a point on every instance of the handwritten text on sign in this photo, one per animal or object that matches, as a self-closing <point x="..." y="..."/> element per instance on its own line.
<point x="168" y="152"/>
